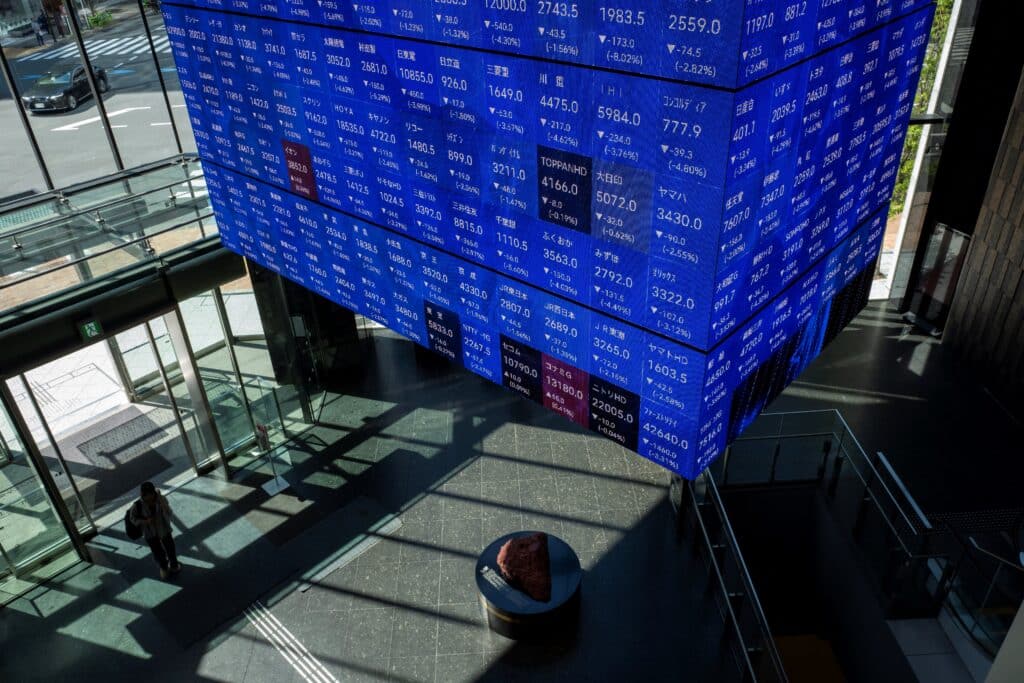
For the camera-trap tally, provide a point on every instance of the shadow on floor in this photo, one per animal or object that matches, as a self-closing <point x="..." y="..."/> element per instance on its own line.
<point x="904" y="394"/>
<point x="400" y="433"/>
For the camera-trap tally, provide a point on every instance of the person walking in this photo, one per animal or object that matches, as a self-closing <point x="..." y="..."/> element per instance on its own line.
<point x="152" y="514"/>
<point x="38" y="31"/>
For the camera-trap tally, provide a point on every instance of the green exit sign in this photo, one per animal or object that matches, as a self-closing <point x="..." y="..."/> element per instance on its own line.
<point x="90" y="329"/>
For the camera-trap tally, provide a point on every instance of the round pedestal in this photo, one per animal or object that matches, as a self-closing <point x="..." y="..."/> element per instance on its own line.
<point x="513" y="613"/>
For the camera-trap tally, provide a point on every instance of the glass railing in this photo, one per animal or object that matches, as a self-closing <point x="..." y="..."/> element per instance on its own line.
<point x="915" y="567"/>
<point x="54" y="242"/>
<point x="747" y="638"/>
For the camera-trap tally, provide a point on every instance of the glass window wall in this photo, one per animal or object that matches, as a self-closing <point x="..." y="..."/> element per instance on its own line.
<point x="119" y="47"/>
<point x="140" y="118"/>
<point x="51" y="86"/>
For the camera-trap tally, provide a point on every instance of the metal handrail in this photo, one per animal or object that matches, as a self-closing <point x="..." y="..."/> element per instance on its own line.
<point x="720" y="578"/>
<point x="847" y="432"/>
<point x="748" y="584"/>
<point x="874" y="470"/>
<point x="86" y="213"/>
<point x="119" y="247"/>
<point x="997" y="558"/>
<point x="921" y="517"/>
<point x="713" y="499"/>
<point x="956" y="552"/>
<point x="58" y="194"/>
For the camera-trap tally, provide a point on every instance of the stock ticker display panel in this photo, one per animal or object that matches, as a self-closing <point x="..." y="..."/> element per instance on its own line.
<point x="652" y="259"/>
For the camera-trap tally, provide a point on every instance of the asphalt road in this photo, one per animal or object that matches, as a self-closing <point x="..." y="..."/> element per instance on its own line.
<point x="73" y="143"/>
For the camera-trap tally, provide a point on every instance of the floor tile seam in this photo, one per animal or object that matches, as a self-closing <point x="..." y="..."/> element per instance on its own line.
<point x="437" y="619"/>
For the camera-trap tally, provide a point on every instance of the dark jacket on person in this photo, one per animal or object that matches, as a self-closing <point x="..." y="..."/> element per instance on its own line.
<point x="160" y="514"/>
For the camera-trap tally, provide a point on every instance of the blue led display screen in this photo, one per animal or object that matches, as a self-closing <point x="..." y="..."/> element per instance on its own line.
<point x="596" y="230"/>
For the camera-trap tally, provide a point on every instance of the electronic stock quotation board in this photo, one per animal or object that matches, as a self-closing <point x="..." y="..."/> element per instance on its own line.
<point x="650" y="240"/>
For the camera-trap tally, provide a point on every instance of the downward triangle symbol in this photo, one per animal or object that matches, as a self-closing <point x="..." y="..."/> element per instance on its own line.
<point x="597" y="289"/>
<point x="654" y="309"/>
<point x="547" y="336"/>
<point x="445" y="100"/>
<point x="403" y="91"/>
<point x="599" y="216"/>
<point x="495" y="186"/>
<point x="600" y="133"/>
<point x="491" y="109"/>
<point x="602" y="38"/>
<point x="544" y="199"/>
<point x="438" y="17"/>
<point x="664" y="149"/>
<point x="487" y="23"/>
<point x="671" y="48"/>
<point x="649" y="380"/>
<point x="659" y="233"/>
<point x="595" y="356"/>
<point x="543" y="122"/>
<point x="451" y="171"/>
<point x="540" y="29"/>
<point x="547" y="270"/>
<point x="395" y="12"/>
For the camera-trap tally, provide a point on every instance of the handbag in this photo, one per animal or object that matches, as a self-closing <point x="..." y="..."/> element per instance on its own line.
<point x="132" y="530"/>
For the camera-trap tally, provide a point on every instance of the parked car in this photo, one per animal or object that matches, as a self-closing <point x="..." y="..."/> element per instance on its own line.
<point x="62" y="89"/>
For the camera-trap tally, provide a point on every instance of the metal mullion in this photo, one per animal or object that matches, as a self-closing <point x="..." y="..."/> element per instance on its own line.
<point x="56" y="450"/>
<point x="12" y="568"/>
<point x="177" y="328"/>
<point x="117" y="357"/>
<point x="160" y="76"/>
<point x="16" y="96"/>
<point x="37" y="463"/>
<point x="6" y="449"/>
<point x="222" y="313"/>
<point x="76" y="31"/>
<point x="170" y="396"/>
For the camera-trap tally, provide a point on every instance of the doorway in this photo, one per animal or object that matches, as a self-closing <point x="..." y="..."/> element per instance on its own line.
<point x="182" y="394"/>
<point x="106" y="418"/>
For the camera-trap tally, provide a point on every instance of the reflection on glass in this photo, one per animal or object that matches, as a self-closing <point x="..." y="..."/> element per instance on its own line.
<point x="52" y="87"/>
<point x="16" y="153"/>
<point x="938" y="273"/>
<point x="170" y="74"/>
<point x="56" y="468"/>
<point x="942" y="71"/>
<point x="29" y="526"/>
<point x="204" y="449"/>
<point x="267" y="399"/>
<point x="213" y="361"/>
<point x="138" y="360"/>
<point x="135" y="103"/>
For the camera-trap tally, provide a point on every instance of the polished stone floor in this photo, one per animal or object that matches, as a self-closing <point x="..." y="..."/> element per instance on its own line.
<point x="905" y="394"/>
<point x="363" y="568"/>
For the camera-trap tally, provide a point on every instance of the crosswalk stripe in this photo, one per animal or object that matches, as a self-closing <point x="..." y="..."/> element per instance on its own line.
<point x="157" y="44"/>
<point x="162" y="44"/>
<point x="132" y="45"/>
<point x="115" y="46"/>
<point x="103" y="46"/>
<point x="51" y="54"/>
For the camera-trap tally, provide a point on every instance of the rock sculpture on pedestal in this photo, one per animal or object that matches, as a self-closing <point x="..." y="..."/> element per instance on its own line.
<point x="525" y="564"/>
